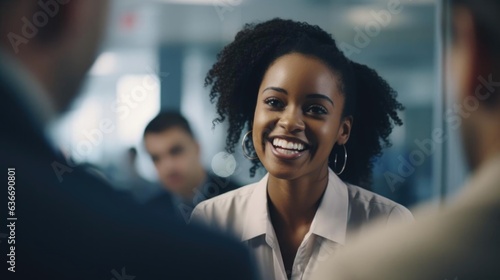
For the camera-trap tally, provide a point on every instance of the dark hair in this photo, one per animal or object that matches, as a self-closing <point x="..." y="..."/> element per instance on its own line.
<point x="167" y="120"/>
<point x="236" y="76"/>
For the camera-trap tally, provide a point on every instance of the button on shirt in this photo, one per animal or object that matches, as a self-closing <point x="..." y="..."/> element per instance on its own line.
<point x="344" y="209"/>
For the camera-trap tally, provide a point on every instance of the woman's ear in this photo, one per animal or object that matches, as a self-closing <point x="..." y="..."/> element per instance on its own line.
<point x="345" y="130"/>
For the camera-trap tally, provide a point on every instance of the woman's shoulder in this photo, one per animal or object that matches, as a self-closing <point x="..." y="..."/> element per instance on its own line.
<point x="364" y="203"/>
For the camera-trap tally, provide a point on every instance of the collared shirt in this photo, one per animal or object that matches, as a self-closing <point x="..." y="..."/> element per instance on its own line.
<point x="212" y="186"/>
<point x="344" y="209"/>
<point x="458" y="240"/>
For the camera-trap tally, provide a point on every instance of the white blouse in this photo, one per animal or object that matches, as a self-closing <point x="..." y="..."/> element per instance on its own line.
<point x="344" y="209"/>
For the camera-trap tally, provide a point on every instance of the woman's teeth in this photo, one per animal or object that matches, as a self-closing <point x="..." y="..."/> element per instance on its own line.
<point x="289" y="146"/>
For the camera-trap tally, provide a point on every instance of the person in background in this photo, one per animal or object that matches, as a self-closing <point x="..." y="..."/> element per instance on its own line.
<point x="65" y="223"/>
<point x="176" y="153"/>
<point x="460" y="240"/>
<point x="141" y="189"/>
<point x="315" y="120"/>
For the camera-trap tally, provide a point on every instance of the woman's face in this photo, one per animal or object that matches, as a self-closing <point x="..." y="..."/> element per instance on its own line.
<point x="298" y="117"/>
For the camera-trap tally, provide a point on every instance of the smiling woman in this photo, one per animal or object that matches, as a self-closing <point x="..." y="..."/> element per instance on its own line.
<point x="295" y="105"/>
<point x="317" y="120"/>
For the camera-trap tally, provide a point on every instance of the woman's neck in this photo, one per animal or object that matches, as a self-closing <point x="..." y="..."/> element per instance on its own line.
<point x="293" y="203"/>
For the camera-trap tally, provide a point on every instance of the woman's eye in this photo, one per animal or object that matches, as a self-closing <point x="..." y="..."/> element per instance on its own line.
<point x="273" y="102"/>
<point x="317" y="110"/>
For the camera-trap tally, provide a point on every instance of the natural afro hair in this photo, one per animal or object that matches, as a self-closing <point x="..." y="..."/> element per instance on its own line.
<point x="236" y="76"/>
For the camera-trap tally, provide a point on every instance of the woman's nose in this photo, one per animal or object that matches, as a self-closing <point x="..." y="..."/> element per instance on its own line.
<point x="291" y="120"/>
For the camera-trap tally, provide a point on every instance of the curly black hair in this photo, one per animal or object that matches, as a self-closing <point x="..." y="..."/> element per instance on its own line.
<point x="236" y="76"/>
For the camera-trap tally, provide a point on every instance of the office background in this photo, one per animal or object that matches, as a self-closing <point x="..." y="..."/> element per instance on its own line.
<point x="156" y="55"/>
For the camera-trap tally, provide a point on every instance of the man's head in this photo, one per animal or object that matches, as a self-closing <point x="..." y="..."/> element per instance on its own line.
<point x="169" y="141"/>
<point x="56" y="40"/>
<point x="474" y="63"/>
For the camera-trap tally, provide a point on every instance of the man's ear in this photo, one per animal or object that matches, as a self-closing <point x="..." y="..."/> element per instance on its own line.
<point x="73" y="19"/>
<point x="61" y="19"/>
<point x="345" y="130"/>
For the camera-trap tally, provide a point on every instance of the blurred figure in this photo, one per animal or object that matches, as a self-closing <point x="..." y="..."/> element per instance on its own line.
<point x="140" y="188"/>
<point x="175" y="152"/>
<point x="71" y="224"/>
<point x="461" y="240"/>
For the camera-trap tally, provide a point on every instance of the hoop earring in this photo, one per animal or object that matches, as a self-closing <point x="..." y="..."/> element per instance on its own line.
<point x="345" y="162"/>
<point x="244" y="149"/>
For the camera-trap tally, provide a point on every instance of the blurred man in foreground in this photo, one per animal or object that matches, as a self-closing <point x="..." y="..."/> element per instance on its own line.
<point x="62" y="222"/>
<point x="461" y="241"/>
<point x="176" y="153"/>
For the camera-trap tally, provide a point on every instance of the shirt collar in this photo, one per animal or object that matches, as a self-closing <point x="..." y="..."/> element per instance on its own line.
<point x="257" y="217"/>
<point x="330" y="221"/>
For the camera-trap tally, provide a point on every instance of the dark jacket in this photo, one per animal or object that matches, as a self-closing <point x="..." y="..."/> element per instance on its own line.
<point x="74" y="226"/>
<point x="212" y="187"/>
